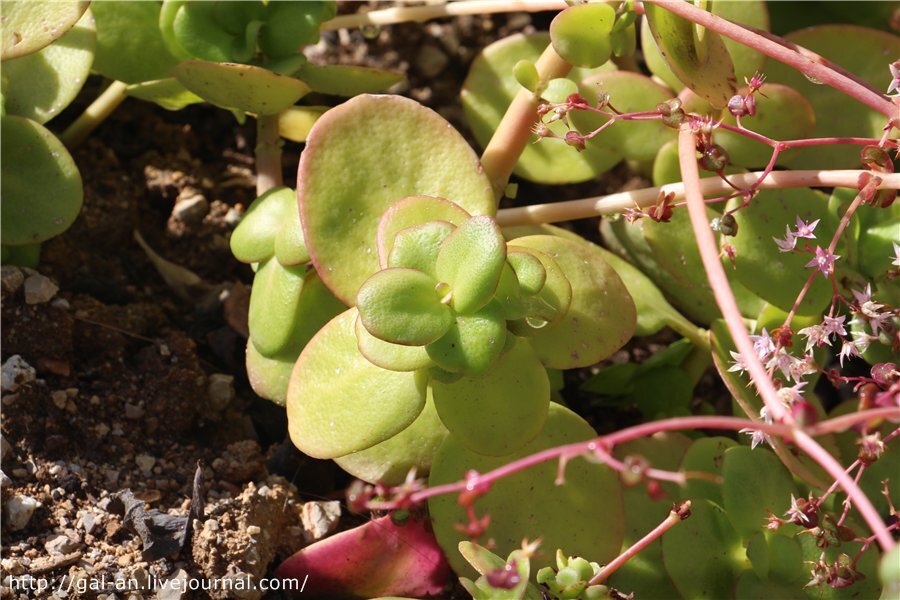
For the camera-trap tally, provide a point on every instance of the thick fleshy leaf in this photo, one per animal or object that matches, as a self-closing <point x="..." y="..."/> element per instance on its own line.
<point x="295" y="122"/>
<point x="706" y="455"/>
<point x="168" y="93"/>
<point x="759" y="264"/>
<point x="41" y="84"/>
<point x="274" y="319"/>
<point x="782" y="113"/>
<point x="393" y="357"/>
<point x="746" y="60"/>
<point x="417" y="247"/>
<point x="601" y="317"/>
<point x="130" y="47"/>
<point x="491" y="86"/>
<point x="889" y="572"/>
<point x="339" y="402"/>
<point x="41" y="186"/>
<point x="864" y="52"/>
<point x="242" y="87"/>
<point x="269" y="377"/>
<point x="363" y="156"/>
<point x="215" y="31"/>
<point x="412" y="211"/>
<point x="644" y="574"/>
<point x="584" y="517"/>
<point x="390" y="461"/>
<point x="291" y="25"/>
<point x="402" y="306"/>
<point x="253" y="240"/>
<point x="500" y="411"/>
<point x="551" y="302"/>
<point x="628" y="92"/>
<point x="756" y="484"/>
<point x="702" y="553"/>
<point x="347" y="80"/>
<point x="529" y="271"/>
<point x="470" y="261"/>
<point x="704" y="65"/>
<point x="581" y="34"/>
<point x="473" y="342"/>
<point x="675" y="249"/>
<point x="29" y="26"/>
<point x="379" y="558"/>
<point x="290" y="247"/>
<point x="26" y="255"/>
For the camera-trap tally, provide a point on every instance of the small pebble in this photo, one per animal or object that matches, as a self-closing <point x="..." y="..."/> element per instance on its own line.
<point x="145" y="462"/>
<point x="11" y="279"/>
<point x="253" y="530"/>
<point x="320" y="518"/>
<point x="191" y="209"/>
<point x="221" y="390"/>
<point x="15" y="373"/>
<point x="133" y="411"/>
<point x="59" y="398"/>
<point x="4" y="447"/>
<point x="60" y="544"/>
<point x="39" y="289"/>
<point x="19" y="509"/>
<point x="174" y="591"/>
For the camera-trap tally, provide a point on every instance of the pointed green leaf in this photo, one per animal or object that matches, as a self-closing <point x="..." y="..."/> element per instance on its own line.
<point x="253" y="240"/>
<point x="581" y="34"/>
<point x="338" y="402"/>
<point x="393" y="357"/>
<point x="470" y="262"/>
<point x="402" y="306"/>
<point x="396" y="148"/>
<point x="584" y="516"/>
<point x="242" y="87"/>
<point x="417" y="247"/>
<point x="41" y="84"/>
<point x="472" y="343"/>
<point x="347" y="80"/>
<point x="28" y="26"/>
<point x="40" y="183"/>
<point x="389" y="461"/>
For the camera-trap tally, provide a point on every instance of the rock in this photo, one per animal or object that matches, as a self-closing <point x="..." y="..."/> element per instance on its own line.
<point x="242" y="586"/>
<point x="15" y="373"/>
<point x="145" y="462"/>
<point x="320" y="519"/>
<point x="175" y="587"/>
<point x="4" y="480"/>
<point x="133" y="411"/>
<point x="4" y="447"/>
<point x="19" y="509"/>
<point x="59" y="398"/>
<point x="11" y="279"/>
<point x="89" y="522"/>
<point x="221" y="390"/>
<point x="60" y="544"/>
<point x="190" y="209"/>
<point x="39" y="289"/>
<point x="430" y="61"/>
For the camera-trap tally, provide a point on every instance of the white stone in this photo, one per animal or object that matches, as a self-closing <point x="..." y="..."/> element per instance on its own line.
<point x="15" y="373"/>
<point x="145" y="462"/>
<point x="320" y="518"/>
<point x="19" y="509"/>
<point x="60" y="544"/>
<point x="221" y="390"/>
<point x="39" y="289"/>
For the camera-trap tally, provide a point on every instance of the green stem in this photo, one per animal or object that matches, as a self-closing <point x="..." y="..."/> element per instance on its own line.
<point x="94" y="114"/>
<point x="514" y="132"/>
<point x="268" y="154"/>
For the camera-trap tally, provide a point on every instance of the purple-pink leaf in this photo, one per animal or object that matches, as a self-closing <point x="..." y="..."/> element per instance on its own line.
<point x="379" y="558"/>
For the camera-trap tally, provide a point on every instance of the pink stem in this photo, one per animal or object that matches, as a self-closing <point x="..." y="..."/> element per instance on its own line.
<point x="781" y="53"/>
<point x="715" y="273"/>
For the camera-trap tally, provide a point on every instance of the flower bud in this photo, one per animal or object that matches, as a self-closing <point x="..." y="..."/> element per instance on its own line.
<point x="575" y="139"/>
<point x="714" y="158"/>
<point x="726" y="225"/>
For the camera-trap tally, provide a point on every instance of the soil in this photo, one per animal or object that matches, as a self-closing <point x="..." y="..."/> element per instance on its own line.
<point x="131" y="382"/>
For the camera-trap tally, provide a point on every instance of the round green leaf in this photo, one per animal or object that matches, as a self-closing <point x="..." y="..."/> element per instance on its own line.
<point x="273" y="319"/>
<point x="581" y="34"/>
<point x="412" y="211"/>
<point x="470" y="261"/>
<point x="130" y="47"/>
<point x="491" y="86"/>
<point x="269" y="377"/>
<point x="397" y="148"/>
<point x="253" y="240"/>
<point x="675" y="249"/>
<point x="417" y="247"/>
<point x="290" y="26"/>
<point x="338" y="402"/>
<point x="41" y="186"/>
<point x="347" y="80"/>
<point x="242" y="87"/>
<point x="529" y="270"/>
<point x="29" y="25"/>
<point x="214" y="31"/>
<point x="628" y="92"/>
<point x="601" y="317"/>
<point x="168" y="93"/>
<point x="295" y="122"/>
<point x="756" y="483"/>
<point x="526" y="73"/>
<point x="393" y="357"/>
<point x="774" y="275"/>
<point x="702" y="553"/>
<point x="782" y="113"/>
<point x="704" y="65"/>
<point x="402" y="306"/>
<point x="551" y="302"/>
<point x="472" y="343"/>
<point x="584" y="517"/>
<point x="498" y="412"/>
<point x="390" y="461"/>
<point x="41" y="84"/>
<point x="290" y="247"/>
<point x="706" y="455"/>
<point x="864" y="52"/>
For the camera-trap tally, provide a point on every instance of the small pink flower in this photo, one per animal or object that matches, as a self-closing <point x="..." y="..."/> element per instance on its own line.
<point x="895" y="75"/>
<point x="847" y="350"/>
<point x="815" y="336"/>
<point x="834" y="326"/>
<point x="788" y="243"/>
<point x="896" y="257"/>
<point x="805" y="230"/>
<point x="824" y="261"/>
<point x="763" y="344"/>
